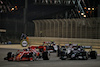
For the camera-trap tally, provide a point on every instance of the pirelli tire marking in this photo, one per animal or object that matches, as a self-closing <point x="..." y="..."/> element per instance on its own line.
<point x="24" y="43"/>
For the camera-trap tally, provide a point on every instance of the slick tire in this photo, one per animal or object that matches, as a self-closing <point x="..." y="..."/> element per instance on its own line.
<point x="93" y="55"/>
<point x="63" y="56"/>
<point x="45" y="55"/>
<point x="9" y="55"/>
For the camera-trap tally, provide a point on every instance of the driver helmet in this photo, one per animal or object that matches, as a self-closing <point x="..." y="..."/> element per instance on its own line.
<point x="70" y="43"/>
<point x="78" y="44"/>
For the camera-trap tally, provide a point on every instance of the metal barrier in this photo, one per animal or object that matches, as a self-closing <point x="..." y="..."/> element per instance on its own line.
<point x="68" y="28"/>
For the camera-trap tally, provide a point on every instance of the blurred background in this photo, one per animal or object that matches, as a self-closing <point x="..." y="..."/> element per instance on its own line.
<point x="18" y="16"/>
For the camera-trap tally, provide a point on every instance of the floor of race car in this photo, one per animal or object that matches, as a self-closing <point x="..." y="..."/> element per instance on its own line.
<point x="53" y="62"/>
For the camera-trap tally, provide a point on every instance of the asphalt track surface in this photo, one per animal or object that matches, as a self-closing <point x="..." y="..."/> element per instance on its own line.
<point x="53" y="62"/>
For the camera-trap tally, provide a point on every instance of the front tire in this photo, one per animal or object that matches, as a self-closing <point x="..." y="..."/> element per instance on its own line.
<point x="10" y="55"/>
<point x="63" y="56"/>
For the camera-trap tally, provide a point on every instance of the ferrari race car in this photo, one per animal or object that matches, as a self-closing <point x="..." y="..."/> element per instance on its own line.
<point x="51" y="46"/>
<point x="30" y="54"/>
<point x="77" y="52"/>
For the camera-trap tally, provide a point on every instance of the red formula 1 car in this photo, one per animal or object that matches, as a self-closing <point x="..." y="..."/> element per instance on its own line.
<point x="30" y="54"/>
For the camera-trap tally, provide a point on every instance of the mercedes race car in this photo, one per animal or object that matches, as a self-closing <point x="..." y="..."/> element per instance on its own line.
<point x="30" y="54"/>
<point x="77" y="52"/>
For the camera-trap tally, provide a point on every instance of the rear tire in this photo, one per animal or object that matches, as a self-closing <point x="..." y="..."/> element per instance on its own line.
<point x="93" y="55"/>
<point x="45" y="55"/>
<point x="58" y="51"/>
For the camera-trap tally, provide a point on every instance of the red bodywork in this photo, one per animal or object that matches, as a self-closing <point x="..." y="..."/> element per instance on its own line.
<point x="24" y="55"/>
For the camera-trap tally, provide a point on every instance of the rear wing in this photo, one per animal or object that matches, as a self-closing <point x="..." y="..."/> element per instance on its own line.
<point x="73" y="45"/>
<point x="87" y="47"/>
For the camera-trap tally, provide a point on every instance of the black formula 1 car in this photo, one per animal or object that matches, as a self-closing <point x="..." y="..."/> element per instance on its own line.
<point x="77" y="52"/>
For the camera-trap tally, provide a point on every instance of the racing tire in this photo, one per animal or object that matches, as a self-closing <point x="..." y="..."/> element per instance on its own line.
<point x="93" y="55"/>
<point x="63" y="56"/>
<point x="9" y="55"/>
<point x="5" y="58"/>
<point x="58" y="51"/>
<point x="45" y="55"/>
